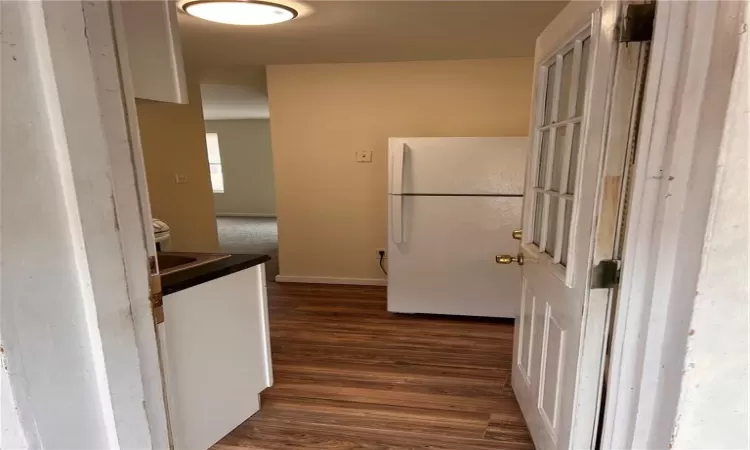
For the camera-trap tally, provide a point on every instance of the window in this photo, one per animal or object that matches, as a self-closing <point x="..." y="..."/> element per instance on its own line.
<point x="214" y="162"/>
<point x="559" y="119"/>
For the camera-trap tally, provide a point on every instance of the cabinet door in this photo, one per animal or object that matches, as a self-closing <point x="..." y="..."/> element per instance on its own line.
<point x="154" y="50"/>
<point x="217" y="355"/>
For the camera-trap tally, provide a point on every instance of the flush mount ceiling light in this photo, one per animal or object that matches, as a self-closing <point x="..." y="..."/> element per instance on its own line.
<point x="240" y="12"/>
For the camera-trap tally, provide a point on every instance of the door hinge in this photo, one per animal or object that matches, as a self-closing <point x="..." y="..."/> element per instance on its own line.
<point x="157" y="306"/>
<point x="606" y="274"/>
<point x="637" y="24"/>
<point x="155" y="297"/>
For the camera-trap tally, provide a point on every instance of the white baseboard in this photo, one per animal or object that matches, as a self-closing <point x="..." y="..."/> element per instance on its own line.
<point x="327" y="280"/>
<point x="244" y="215"/>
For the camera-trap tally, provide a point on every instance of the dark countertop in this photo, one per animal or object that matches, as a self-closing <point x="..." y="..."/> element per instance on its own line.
<point x="183" y="279"/>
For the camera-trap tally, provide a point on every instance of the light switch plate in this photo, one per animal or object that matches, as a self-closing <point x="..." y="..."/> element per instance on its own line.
<point x="363" y="156"/>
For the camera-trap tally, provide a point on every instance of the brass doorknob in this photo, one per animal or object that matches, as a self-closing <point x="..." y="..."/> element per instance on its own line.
<point x="517" y="234"/>
<point x="509" y="259"/>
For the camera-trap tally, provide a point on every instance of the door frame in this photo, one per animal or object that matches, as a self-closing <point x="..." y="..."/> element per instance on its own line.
<point x="693" y="54"/>
<point x="77" y="331"/>
<point x="106" y="32"/>
<point x="137" y="238"/>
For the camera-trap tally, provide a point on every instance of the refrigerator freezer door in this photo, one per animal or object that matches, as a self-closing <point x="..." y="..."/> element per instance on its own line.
<point x="457" y="165"/>
<point x="443" y="261"/>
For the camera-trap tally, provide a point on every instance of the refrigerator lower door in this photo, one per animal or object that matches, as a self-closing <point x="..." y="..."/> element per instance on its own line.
<point x="442" y="260"/>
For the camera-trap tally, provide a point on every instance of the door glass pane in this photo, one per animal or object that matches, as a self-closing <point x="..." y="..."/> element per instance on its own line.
<point x="567" y="85"/>
<point x="574" y="151"/>
<point x="549" y="94"/>
<point x="549" y="247"/>
<point x="557" y="163"/>
<point x="542" y="169"/>
<point x="566" y="231"/>
<point x="584" y="69"/>
<point x="538" y="209"/>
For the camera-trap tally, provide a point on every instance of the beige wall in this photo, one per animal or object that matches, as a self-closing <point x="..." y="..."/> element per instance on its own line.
<point x="174" y="142"/>
<point x="332" y="210"/>
<point x="247" y="165"/>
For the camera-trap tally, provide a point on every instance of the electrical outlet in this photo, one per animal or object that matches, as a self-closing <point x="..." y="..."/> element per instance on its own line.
<point x="380" y="253"/>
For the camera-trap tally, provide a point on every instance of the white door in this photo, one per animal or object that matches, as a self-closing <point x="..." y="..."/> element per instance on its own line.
<point x="561" y="327"/>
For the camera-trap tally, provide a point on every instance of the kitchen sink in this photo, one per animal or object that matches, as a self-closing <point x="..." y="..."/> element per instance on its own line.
<point x="170" y="262"/>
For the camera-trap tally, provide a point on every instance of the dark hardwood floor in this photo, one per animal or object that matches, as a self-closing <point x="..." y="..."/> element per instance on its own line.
<point x="350" y="375"/>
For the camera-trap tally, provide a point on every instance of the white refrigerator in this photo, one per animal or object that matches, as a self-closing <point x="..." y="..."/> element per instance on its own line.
<point x="453" y="205"/>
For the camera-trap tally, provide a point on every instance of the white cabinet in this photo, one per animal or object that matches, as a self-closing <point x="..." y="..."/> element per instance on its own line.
<point x="216" y="355"/>
<point x="154" y="51"/>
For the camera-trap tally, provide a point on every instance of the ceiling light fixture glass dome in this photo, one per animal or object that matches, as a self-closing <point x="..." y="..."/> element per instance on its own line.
<point x="240" y="12"/>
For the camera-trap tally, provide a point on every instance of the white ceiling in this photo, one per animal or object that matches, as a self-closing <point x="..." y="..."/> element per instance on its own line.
<point x="230" y="60"/>
<point x="224" y="101"/>
<point x="371" y="31"/>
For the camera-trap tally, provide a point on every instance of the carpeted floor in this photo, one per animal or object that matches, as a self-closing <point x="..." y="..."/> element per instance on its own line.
<point x="251" y="235"/>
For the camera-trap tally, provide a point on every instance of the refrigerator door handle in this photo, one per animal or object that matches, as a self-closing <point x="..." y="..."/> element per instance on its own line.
<point x="398" y="161"/>
<point x="397" y="219"/>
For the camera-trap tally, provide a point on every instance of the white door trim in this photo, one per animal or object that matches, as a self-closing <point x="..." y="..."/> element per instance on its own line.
<point x="137" y="237"/>
<point x="71" y="229"/>
<point x="693" y="52"/>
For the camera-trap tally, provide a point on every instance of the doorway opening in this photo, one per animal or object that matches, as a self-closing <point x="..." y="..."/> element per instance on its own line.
<point x="336" y="108"/>
<point x="238" y="144"/>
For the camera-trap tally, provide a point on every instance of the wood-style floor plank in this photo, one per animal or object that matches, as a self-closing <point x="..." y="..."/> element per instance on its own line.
<point x="350" y="375"/>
